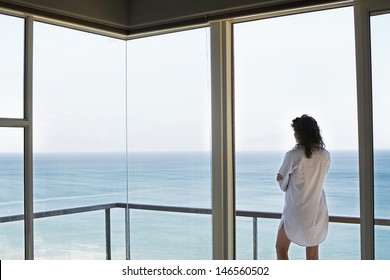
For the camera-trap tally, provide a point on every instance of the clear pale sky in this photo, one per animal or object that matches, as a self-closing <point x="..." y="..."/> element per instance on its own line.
<point x="284" y="67"/>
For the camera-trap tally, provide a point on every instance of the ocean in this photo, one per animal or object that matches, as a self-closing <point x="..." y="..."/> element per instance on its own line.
<point x="64" y="181"/>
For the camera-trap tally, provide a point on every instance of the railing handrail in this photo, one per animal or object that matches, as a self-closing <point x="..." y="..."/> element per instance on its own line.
<point x="176" y="209"/>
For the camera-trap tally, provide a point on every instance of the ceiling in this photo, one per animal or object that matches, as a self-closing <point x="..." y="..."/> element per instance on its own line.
<point x="128" y="17"/>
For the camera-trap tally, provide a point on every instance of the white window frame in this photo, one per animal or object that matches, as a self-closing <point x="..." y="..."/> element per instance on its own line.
<point x="364" y="9"/>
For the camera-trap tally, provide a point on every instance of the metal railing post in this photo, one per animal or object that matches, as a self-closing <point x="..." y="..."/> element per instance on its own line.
<point x="108" y="233"/>
<point x="127" y="232"/>
<point x="255" y="238"/>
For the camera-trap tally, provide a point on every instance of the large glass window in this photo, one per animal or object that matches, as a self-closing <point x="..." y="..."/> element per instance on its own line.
<point x="380" y="46"/>
<point x="127" y="124"/>
<point x="79" y="141"/>
<point x="11" y="66"/>
<point x="286" y="67"/>
<point x="11" y="193"/>
<point x="11" y="139"/>
<point x="169" y="144"/>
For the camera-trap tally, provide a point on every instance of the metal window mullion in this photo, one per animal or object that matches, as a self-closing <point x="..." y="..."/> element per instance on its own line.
<point x="223" y="189"/>
<point x="28" y="142"/>
<point x="365" y="128"/>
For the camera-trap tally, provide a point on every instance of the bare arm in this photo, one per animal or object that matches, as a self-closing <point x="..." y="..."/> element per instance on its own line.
<point x="279" y="177"/>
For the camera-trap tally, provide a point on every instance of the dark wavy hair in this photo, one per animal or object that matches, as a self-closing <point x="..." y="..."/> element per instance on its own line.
<point x="308" y="134"/>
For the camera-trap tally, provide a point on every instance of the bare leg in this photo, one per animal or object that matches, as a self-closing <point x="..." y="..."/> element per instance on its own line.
<point x="282" y="245"/>
<point x="312" y="253"/>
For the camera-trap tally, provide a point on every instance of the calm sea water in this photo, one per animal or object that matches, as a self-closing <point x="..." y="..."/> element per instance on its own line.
<point x="172" y="179"/>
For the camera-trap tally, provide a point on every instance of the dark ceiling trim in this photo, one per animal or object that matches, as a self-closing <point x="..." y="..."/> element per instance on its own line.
<point x="168" y="23"/>
<point x="64" y="18"/>
<point x="203" y="19"/>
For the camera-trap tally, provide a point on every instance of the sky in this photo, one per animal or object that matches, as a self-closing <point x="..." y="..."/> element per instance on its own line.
<point x="289" y="66"/>
<point x="90" y="90"/>
<point x="11" y="66"/>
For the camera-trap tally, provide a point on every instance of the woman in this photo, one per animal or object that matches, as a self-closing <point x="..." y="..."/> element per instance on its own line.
<point x="305" y="216"/>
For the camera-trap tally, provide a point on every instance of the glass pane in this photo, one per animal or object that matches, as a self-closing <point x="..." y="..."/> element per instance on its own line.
<point x="169" y="144"/>
<point x="11" y="66"/>
<point x="380" y="46"/>
<point x="286" y="67"/>
<point x="11" y="193"/>
<point x="79" y="140"/>
<point x="170" y="236"/>
<point x="342" y="242"/>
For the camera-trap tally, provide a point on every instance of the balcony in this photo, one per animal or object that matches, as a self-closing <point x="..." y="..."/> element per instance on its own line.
<point x="105" y="210"/>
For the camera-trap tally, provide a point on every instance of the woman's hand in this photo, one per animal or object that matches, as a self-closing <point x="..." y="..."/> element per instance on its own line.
<point x="279" y="177"/>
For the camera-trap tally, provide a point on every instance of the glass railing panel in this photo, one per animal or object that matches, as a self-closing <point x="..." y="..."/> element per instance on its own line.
<point x="382" y="245"/>
<point x="341" y="243"/>
<point x="11" y="193"/>
<point x="170" y="236"/>
<point x="70" y="237"/>
<point x="118" y="241"/>
<point x="244" y="238"/>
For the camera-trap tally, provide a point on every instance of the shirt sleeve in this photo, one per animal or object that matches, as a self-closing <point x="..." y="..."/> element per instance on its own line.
<point x="329" y="162"/>
<point x="285" y="170"/>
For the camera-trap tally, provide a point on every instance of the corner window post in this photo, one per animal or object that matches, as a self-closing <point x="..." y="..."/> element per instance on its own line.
<point x="365" y="122"/>
<point x="223" y="189"/>
<point x="28" y="146"/>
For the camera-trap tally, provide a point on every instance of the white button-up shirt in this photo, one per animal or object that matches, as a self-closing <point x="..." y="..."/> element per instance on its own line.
<point x="305" y="215"/>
